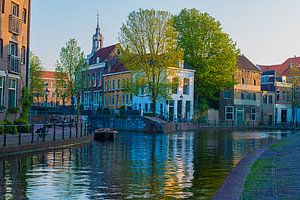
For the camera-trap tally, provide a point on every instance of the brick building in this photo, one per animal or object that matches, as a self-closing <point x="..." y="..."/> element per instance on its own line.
<point x="55" y="98"/>
<point x="14" y="52"/>
<point x="241" y="104"/>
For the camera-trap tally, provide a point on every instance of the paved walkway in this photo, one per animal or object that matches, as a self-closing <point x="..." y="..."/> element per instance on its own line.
<point x="276" y="173"/>
<point x="232" y="187"/>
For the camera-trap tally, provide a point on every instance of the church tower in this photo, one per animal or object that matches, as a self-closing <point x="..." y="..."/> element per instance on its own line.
<point x="97" y="38"/>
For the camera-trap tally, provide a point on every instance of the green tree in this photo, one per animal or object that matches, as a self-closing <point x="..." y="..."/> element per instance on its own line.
<point x="294" y="79"/>
<point x="69" y="69"/>
<point x="209" y="50"/>
<point x="36" y="70"/>
<point x="149" y="40"/>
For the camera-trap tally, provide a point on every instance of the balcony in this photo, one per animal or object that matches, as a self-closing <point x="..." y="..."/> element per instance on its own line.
<point x="14" y="64"/>
<point x="14" y="24"/>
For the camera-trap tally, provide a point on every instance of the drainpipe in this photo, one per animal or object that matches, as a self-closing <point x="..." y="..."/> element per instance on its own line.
<point x="28" y="46"/>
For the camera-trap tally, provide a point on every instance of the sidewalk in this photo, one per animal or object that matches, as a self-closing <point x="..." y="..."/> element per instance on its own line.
<point x="276" y="173"/>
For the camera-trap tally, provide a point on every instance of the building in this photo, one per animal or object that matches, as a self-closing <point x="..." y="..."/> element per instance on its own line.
<point x="55" y="96"/>
<point x="276" y="98"/>
<point x="180" y="105"/>
<point x="240" y="105"/>
<point x="14" y="52"/>
<point x="116" y="80"/>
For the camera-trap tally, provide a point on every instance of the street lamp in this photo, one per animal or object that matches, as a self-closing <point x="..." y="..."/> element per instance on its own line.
<point x="46" y="99"/>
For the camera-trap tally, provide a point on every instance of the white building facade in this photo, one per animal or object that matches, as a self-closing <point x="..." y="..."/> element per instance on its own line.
<point x="179" y="106"/>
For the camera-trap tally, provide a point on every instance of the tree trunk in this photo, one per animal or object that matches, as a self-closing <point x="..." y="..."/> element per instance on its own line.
<point x="78" y="107"/>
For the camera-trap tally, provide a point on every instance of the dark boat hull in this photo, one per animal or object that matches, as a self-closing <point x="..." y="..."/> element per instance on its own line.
<point x="101" y="135"/>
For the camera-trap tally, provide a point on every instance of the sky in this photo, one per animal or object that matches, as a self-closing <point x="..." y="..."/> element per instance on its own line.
<point x="266" y="31"/>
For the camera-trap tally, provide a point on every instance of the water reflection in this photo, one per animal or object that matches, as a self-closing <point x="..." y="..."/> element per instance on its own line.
<point x="135" y="166"/>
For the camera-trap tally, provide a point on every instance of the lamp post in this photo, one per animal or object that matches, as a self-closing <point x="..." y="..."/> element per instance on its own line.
<point x="46" y="100"/>
<point x="181" y="107"/>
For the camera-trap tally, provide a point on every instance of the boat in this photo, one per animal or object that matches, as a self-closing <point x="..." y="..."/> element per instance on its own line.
<point x="105" y="134"/>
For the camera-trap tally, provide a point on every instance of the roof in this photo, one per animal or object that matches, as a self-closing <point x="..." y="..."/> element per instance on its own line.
<point x="283" y="68"/>
<point x="244" y="63"/>
<point x="115" y="68"/>
<point x="103" y="54"/>
<point x="48" y="75"/>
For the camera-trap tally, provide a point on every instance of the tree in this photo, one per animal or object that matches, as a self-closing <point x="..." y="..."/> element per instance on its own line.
<point x="209" y="50"/>
<point x="69" y="69"/>
<point x="36" y="70"/>
<point x="150" y="50"/>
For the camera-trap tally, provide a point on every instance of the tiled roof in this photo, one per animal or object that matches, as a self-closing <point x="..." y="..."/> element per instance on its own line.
<point x="103" y="54"/>
<point x="48" y="75"/>
<point x="283" y="68"/>
<point x="244" y="63"/>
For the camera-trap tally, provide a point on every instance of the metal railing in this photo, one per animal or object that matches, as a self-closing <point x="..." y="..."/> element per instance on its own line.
<point x="16" y="135"/>
<point x="15" y="24"/>
<point x="14" y="63"/>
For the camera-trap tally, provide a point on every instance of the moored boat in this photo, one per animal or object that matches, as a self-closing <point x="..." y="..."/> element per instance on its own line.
<point x="104" y="134"/>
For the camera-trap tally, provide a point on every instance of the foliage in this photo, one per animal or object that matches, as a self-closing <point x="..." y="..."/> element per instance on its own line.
<point x="294" y="78"/>
<point x="24" y="125"/>
<point x="150" y="50"/>
<point x="69" y="69"/>
<point x="7" y="127"/>
<point x="209" y="50"/>
<point x="36" y="70"/>
<point x="13" y="110"/>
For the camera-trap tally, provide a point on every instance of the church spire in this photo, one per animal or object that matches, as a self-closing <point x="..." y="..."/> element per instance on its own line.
<point x="98" y="37"/>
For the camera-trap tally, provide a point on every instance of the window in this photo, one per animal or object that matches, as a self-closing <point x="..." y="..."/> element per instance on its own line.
<point x="186" y="86"/>
<point x="265" y="99"/>
<point x="229" y="112"/>
<point x="99" y="78"/>
<point x="270" y="99"/>
<point x="2" y="5"/>
<point x="248" y="96"/>
<point x="12" y="93"/>
<point x="113" y="85"/>
<point x="127" y="99"/>
<point x="117" y="100"/>
<point x="118" y="84"/>
<point x="123" y="83"/>
<point x="277" y="95"/>
<point x="1" y="90"/>
<point x="175" y="82"/>
<point x="53" y="95"/>
<point x="254" y="82"/>
<point x="113" y="99"/>
<point x="52" y="85"/>
<point x="287" y="96"/>
<point x="94" y="80"/>
<point x="253" y="113"/>
<point x="13" y="49"/>
<point x="130" y="98"/>
<point x="23" y="55"/>
<point x="227" y="94"/>
<point x="24" y="16"/>
<point x="254" y="97"/>
<point x="283" y="96"/>
<point x="1" y="48"/>
<point x="123" y="99"/>
<point x="14" y="10"/>
<point x="242" y="96"/>
<point x="243" y="81"/>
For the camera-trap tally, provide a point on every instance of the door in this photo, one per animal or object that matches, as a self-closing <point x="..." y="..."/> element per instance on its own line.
<point x="283" y="116"/>
<point x="171" y="110"/>
<point x="239" y="117"/>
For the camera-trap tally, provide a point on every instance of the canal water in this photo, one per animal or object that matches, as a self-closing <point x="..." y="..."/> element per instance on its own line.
<point x="189" y="165"/>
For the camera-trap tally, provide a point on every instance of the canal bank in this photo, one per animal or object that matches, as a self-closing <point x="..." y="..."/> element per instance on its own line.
<point x="271" y="172"/>
<point x="41" y="138"/>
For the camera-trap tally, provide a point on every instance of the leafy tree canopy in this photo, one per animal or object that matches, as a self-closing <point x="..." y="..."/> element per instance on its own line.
<point x="149" y="41"/>
<point x="209" y="50"/>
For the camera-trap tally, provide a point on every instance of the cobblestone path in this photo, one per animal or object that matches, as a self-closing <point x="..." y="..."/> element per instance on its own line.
<point x="276" y="173"/>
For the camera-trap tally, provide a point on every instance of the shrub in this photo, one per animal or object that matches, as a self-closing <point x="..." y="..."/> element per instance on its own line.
<point x="6" y="127"/>
<point x="24" y="126"/>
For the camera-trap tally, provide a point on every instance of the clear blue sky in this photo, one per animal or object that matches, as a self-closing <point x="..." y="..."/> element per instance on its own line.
<point x="267" y="31"/>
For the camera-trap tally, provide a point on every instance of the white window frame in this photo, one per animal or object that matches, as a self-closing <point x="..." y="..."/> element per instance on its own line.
<point x="2" y="89"/>
<point x="227" y="92"/>
<point x="226" y="112"/>
<point x="11" y="87"/>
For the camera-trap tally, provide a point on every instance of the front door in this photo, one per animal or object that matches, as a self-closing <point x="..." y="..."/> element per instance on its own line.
<point x="239" y="117"/>
<point x="283" y="116"/>
<point x="179" y="109"/>
<point x="171" y="110"/>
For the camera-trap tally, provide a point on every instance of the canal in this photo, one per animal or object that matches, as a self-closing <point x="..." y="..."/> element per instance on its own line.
<point x="188" y="165"/>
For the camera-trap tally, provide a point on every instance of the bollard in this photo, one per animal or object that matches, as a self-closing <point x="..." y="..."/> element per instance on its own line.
<point x="81" y="129"/>
<point x="63" y="131"/>
<point x="76" y="129"/>
<point x="19" y="142"/>
<point x="54" y="131"/>
<point x="4" y="139"/>
<point x="70" y="130"/>
<point x="32" y="133"/>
